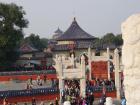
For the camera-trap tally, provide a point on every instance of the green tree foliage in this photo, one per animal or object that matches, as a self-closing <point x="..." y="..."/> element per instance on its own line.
<point x="12" y="22"/>
<point x="35" y="41"/>
<point x="97" y="42"/>
<point x="109" y="39"/>
<point x="44" y="41"/>
<point x="118" y="40"/>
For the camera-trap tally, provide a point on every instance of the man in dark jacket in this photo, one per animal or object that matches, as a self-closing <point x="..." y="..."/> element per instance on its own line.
<point x="91" y="98"/>
<point x="33" y="101"/>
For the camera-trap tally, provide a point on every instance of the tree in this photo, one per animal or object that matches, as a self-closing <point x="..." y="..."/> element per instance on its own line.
<point x="118" y="40"/>
<point x="97" y="42"/>
<point x="35" y="40"/>
<point x="12" y="22"/>
<point x="44" y="41"/>
<point x="108" y="38"/>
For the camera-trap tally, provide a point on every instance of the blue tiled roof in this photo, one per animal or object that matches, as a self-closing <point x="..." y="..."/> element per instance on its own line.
<point x="75" y="32"/>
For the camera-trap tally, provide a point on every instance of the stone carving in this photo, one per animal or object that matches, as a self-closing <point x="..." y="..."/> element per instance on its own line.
<point x="131" y="59"/>
<point x="131" y="29"/>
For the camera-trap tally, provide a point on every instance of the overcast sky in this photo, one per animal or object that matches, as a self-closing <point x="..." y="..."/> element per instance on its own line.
<point x="97" y="17"/>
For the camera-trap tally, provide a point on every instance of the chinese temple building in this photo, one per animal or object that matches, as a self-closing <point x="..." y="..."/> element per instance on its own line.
<point x="57" y="33"/>
<point x="30" y="55"/>
<point x="74" y="39"/>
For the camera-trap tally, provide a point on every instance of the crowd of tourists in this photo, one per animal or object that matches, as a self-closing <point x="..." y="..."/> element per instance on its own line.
<point x="71" y="90"/>
<point x="71" y="93"/>
<point x="101" y="82"/>
<point x="40" y="82"/>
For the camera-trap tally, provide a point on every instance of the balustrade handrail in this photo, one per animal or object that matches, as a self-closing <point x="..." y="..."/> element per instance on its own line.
<point x="32" y="92"/>
<point x="100" y="88"/>
<point x="28" y="72"/>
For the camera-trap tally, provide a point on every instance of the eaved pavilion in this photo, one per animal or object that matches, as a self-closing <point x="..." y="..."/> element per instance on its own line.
<point x="75" y="40"/>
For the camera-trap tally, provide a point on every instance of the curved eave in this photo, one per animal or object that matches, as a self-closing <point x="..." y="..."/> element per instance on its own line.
<point x="76" y="39"/>
<point x="75" y="32"/>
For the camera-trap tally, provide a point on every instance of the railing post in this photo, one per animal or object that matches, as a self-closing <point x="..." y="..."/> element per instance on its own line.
<point x="108" y="62"/>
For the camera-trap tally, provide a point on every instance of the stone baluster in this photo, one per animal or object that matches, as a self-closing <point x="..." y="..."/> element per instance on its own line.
<point x="83" y="79"/>
<point x="61" y="81"/>
<point x="72" y="61"/>
<point x="56" y="57"/>
<point x="108" y="62"/>
<point x="89" y="62"/>
<point x="117" y="69"/>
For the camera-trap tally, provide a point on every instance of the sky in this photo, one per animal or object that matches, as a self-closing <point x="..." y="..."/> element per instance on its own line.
<point x="97" y="17"/>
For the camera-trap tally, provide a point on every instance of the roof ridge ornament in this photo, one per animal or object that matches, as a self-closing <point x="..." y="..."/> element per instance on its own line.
<point x="74" y="18"/>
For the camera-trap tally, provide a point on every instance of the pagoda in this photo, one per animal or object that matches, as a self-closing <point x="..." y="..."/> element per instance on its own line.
<point x="57" y="33"/>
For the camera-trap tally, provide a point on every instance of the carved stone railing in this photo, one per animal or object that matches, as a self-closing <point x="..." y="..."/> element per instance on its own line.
<point x="28" y="72"/>
<point x="100" y="58"/>
<point x="100" y="89"/>
<point x="32" y="92"/>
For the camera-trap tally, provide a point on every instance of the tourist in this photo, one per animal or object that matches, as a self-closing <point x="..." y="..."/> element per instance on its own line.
<point x="123" y="101"/>
<point x="73" y="102"/>
<point x="51" y="103"/>
<point x="102" y="100"/>
<point x="80" y="101"/>
<point x="84" y="102"/>
<point x="31" y="80"/>
<point x="91" y="98"/>
<point x="33" y="101"/>
<point x="45" y="78"/>
<point x="104" y="90"/>
<point x="27" y="86"/>
<point x="112" y="84"/>
<point x="63" y="95"/>
<point x="68" y="98"/>
<point x="56" y="101"/>
<point x="5" y="102"/>
<point x="87" y="99"/>
<point x="52" y="80"/>
<point x="38" y="79"/>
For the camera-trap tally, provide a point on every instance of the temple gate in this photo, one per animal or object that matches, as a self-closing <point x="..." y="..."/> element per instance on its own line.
<point x="100" y="67"/>
<point x="67" y="68"/>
